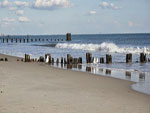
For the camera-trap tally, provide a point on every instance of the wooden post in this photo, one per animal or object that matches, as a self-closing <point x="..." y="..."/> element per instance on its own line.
<point x="129" y="58"/>
<point x="102" y="60"/>
<point x="142" y="57"/>
<point x="3" y="40"/>
<point x="27" y="40"/>
<point x="27" y="58"/>
<point x="68" y="37"/>
<point x="108" y="59"/>
<point x="52" y="61"/>
<point x="7" y="40"/>
<point x="128" y="73"/>
<point x="62" y="60"/>
<point x="80" y="60"/>
<point x="88" y="69"/>
<point x="35" y="40"/>
<point x="75" y="61"/>
<point x="69" y="58"/>
<point x="108" y="71"/>
<point x="39" y="39"/>
<point x="88" y="58"/>
<point x="57" y="61"/>
<point x="20" y="40"/>
<point x="31" y="40"/>
<point x="24" y="40"/>
<point x="47" y="58"/>
<point x="16" y="40"/>
<point x="41" y="59"/>
<point x="65" y="61"/>
<point x="142" y="75"/>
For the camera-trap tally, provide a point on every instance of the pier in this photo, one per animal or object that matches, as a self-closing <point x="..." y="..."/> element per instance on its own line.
<point x="34" y="39"/>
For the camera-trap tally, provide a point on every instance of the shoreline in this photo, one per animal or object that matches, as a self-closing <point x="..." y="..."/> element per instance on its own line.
<point x="27" y="86"/>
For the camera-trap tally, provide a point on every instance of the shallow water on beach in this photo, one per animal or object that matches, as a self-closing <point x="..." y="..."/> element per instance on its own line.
<point x="118" y="45"/>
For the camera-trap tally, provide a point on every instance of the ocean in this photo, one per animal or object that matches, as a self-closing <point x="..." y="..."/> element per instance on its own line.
<point x="118" y="45"/>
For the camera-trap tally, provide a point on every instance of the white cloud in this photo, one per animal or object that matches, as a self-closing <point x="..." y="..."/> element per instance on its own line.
<point x="92" y="12"/>
<point x="9" y="20"/>
<point x="51" y="4"/>
<point x="20" y="12"/>
<point x="12" y="8"/>
<point x="106" y="5"/>
<point x="5" y="3"/>
<point x="24" y="19"/>
<point x="4" y="22"/>
<point x="21" y="4"/>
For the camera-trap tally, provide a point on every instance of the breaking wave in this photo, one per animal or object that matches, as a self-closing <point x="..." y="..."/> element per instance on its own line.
<point x="105" y="47"/>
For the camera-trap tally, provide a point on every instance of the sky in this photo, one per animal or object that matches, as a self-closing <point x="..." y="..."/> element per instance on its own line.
<point x="46" y="17"/>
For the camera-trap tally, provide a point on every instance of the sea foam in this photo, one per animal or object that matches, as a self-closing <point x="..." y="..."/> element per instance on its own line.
<point x="105" y="47"/>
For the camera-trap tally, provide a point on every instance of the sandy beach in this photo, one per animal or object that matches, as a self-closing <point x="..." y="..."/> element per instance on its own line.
<point x="40" y="88"/>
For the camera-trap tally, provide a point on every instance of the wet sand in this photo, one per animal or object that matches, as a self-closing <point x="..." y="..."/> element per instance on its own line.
<point x="40" y="88"/>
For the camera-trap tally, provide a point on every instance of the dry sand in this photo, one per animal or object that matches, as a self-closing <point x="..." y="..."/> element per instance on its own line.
<point x="40" y="88"/>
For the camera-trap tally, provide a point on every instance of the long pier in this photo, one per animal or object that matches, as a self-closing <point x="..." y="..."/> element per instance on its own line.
<point x="31" y="39"/>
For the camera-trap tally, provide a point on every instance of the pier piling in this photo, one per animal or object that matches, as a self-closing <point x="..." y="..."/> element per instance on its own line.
<point x="68" y="37"/>
<point x="142" y="58"/>
<point x="108" y="59"/>
<point x="102" y="60"/>
<point x="129" y="58"/>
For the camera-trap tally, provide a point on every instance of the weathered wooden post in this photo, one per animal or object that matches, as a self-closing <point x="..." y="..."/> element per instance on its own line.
<point x="57" y="61"/>
<point x="62" y="60"/>
<point x="47" y="58"/>
<point x="128" y="73"/>
<point x="142" y="58"/>
<point x="88" y="58"/>
<point x="69" y="59"/>
<point x="27" y="40"/>
<point x="108" y="71"/>
<point x="27" y="58"/>
<point x="129" y="58"/>
<point x="52" y="61"/>
<point x="35" y="40"/>
<point x="65" y="61"/>
<point x="24" y="40"/>
<point x="108" y="59"/>
<point x="35" y="59"/>
<point x="88" y="69"/>
<point x="16" y="40"/>
<point x="68" y="37"/>
<point x="7" y="40"/>
<point x="31" y="40"/>
<point x="39" y="39"/>
<point x="3" y="40"/>
<point x="80" y="60"/>
<point x="142" y="76"/>
<point x="20" y="40"/>
<point x="6" y="59"/>
<point x="41" y="59"/>
<point x="102" y="60"/>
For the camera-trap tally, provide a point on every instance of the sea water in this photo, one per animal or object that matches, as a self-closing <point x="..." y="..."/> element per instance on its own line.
<point x="118" y="45"/>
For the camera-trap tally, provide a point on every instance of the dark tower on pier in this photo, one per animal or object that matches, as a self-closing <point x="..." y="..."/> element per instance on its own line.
<point x="68" y="37"/>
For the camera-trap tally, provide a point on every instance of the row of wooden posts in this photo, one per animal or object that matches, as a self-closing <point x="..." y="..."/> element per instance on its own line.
<point x="23" y="40"/>
<point x="27" y="40"/>
<point x="89" y="59"/>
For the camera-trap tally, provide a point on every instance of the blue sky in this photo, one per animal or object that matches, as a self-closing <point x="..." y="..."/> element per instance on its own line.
<point x="21" y="17"/>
